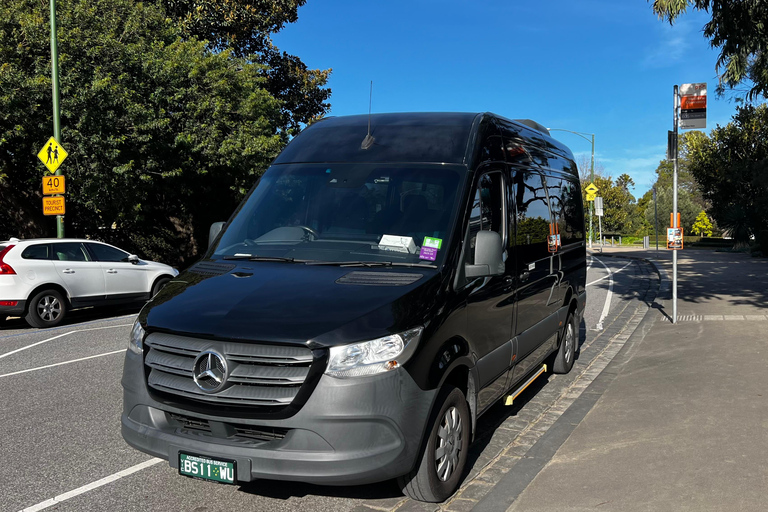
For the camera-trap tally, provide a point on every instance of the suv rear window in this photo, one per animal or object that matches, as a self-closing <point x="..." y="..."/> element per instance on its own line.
<point x="37" y="252"/>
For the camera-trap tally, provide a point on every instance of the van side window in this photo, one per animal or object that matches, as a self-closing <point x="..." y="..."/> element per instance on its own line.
<point x="533" y="216"/>
<point x="565" y="201"/>
<point x="487" y="210"/>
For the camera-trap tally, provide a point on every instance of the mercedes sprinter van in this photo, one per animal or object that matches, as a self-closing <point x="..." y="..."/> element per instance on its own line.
<point x="385" y="282"/>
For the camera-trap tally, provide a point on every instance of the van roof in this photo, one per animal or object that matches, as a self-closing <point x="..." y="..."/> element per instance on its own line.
<point x="440" y="137"/>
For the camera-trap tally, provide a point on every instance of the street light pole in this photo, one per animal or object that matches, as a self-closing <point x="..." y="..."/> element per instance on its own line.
<point x="56" y="110"/>
<point x="592" y="168"/>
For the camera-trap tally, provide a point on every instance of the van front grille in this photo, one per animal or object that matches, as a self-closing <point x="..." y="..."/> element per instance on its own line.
<point x="259" y="375"/>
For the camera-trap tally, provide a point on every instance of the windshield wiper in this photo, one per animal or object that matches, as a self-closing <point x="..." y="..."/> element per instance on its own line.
<point x="250" y="257"/>
<point x="369" y="264"/>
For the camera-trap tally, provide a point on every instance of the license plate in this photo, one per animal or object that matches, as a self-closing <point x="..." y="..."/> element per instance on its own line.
<point x="197" y="466"/>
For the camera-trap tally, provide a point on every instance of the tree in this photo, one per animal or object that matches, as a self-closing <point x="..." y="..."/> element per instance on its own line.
<point x="731" y="167"/>
<point x="164" y="135"/>
<point x="244" y="27"/>
<point x="739" y="29"/>
<point x="702" y="226"/>
<point x="619" y="207"/>
<point x="690" y="198"/>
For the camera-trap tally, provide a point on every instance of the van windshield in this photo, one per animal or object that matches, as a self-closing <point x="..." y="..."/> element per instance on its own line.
<point x="347" y="213"/>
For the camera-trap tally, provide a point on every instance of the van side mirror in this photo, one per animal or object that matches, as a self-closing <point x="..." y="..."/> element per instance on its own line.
<point x="214" y="231"/>
<point x="489" y="256"/>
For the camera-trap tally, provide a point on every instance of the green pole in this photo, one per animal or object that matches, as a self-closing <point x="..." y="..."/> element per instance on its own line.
<point x="592" y="180"/>
<point x="55" y="82"/>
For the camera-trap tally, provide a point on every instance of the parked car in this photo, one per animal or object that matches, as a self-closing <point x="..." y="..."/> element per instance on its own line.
<point x="42" y="279"/>
<point x="387" y="280"/>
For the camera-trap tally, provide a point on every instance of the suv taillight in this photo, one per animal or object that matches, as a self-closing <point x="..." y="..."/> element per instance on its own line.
<point x="4" y="267"/>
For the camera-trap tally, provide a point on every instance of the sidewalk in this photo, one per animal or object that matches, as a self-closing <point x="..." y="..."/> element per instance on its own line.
<point x="682" y="423"/>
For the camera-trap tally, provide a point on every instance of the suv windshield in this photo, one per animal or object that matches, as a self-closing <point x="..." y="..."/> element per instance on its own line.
<point x="347" y="213"/>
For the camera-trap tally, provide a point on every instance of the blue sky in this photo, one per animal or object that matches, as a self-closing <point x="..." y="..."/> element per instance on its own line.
<point x="598" y="66"/>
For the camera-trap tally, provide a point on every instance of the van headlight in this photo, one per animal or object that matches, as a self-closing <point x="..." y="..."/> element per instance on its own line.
<point x="374" y="356"/>
<point x="136" y="343"/>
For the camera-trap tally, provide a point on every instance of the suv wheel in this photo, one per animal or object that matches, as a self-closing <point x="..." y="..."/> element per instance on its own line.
<point x="46" y="309"/>
<point x="439" y="472"/>
<point x="159" y="285"/>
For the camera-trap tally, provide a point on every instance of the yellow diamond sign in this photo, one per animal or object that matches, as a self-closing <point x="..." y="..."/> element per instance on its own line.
<point x="591" y="197"/>
<point x="52" y="155"/>
<point x="591" y="189"/>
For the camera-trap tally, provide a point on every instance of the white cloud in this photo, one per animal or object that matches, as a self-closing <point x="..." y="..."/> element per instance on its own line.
<point x="672" y="43"/>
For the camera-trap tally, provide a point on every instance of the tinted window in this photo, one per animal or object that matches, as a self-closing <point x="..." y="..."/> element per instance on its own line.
<point x="533" y="215"/>
<point x="70" y="251"/>
<point x="106" y="253"/>
<point x="487" y="210"/>
<point x="573" y="213"/>
<point x="37" y="252"/>
<point x="347" y="212"/>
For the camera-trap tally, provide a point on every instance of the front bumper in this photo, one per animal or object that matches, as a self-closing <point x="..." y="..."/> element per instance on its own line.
<point x="350" y="431"/>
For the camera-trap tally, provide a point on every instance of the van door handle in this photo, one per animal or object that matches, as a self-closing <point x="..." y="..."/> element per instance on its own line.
<point x="111" y="271"/>
<point x="67" y="271"/>
<point x="524" y="276"/>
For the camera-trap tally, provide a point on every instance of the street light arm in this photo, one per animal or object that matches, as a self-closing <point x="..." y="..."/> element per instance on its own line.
<point x="580" y="134"/>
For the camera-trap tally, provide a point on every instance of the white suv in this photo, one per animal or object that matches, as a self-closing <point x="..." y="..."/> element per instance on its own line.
<point x="41" y="279"/>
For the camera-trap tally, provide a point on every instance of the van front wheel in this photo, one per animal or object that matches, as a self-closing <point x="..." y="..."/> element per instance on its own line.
<point x="567" y="351"/>
<point x="438" y="473"/>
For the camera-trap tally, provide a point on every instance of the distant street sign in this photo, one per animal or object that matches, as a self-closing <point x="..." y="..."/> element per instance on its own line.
<point x="52" y="155"/>
<point x="53" y="185"/>
<point x="53" y="205"/>
<point x="599" y="206"/>
<point x="591" y="197"/>
<point x="693" y="106"/>
<point x="591" y="188"/>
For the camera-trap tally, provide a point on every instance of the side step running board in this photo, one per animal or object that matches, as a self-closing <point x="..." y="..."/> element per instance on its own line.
<point x="510" y="398"/>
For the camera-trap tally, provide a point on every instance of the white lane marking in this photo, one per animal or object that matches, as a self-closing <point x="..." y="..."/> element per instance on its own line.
<point x="60" y="336"/>
<point x="89" y="487"/>
<point x="609" y="275"/>
<point x="59" y="364"/>
<point x="608" y="297"/>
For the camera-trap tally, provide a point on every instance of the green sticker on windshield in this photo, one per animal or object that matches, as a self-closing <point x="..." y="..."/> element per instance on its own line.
<point x="434" y="243"/>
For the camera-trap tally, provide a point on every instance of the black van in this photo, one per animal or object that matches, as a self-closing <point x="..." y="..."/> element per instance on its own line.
<point x="386" y="281"/>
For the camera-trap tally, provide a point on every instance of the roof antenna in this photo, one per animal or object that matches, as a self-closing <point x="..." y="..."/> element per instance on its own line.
<point x="369" y="140"/>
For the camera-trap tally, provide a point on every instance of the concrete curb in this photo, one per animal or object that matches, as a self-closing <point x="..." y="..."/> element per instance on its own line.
<point x="511" y="485"/>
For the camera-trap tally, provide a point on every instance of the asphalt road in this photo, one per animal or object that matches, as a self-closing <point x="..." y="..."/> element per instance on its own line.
<point x="61" y="400"/>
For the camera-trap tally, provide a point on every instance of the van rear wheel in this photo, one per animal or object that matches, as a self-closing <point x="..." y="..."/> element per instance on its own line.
<point x="441" y="467"/>
<point x="567" y="352"/>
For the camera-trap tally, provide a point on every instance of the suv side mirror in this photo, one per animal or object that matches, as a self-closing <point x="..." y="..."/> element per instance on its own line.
<point x="489" y="256"/>
<point x="214" y="231"/>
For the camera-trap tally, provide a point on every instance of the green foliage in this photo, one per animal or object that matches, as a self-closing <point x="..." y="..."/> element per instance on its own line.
<point x="731" y="167"/>
<point x="619" y="206"/>
<point x="163" y="135"/>
<point x="702" y="226"/>
<point x="739" y="29"/>
<point x="244" y="27"/>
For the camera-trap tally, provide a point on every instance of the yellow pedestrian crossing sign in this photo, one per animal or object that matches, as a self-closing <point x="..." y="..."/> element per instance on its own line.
<point x="591" y="189"/>
<point x="52" y="155"/>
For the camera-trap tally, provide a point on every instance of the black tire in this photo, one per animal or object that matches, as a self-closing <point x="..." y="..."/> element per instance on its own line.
<point x="159" y="285"/>
<point x="566" y="354"/>
<point x="436" y="478"/>
<point x="47" y="308"/>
